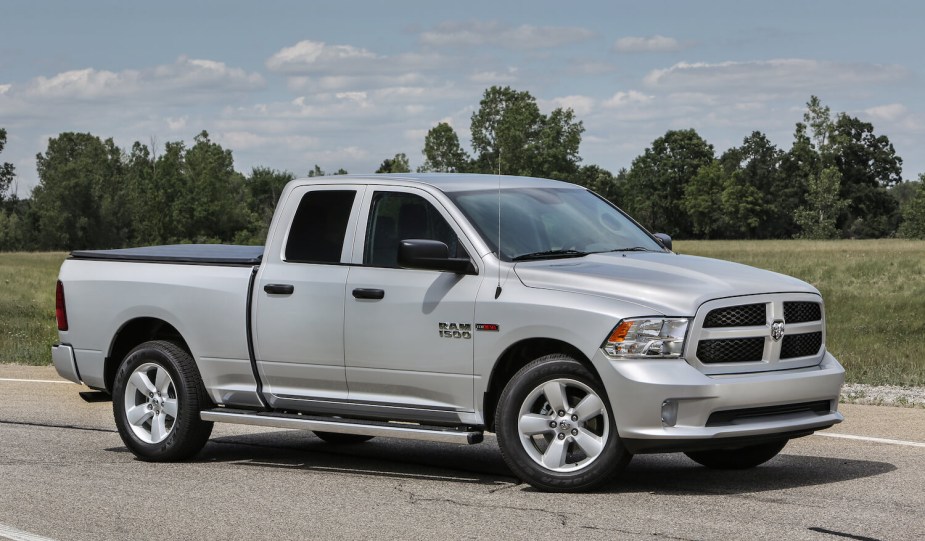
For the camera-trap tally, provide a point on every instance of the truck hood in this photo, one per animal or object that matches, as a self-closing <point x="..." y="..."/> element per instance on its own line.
<point x="669" y="284"/>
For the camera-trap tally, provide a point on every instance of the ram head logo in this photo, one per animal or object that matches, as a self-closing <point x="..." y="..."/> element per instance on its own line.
<point x="777" y="330"/>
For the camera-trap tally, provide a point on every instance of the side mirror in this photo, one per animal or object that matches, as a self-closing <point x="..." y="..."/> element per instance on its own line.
<point x="431" y="255"/>
<point x="664" y="239"/>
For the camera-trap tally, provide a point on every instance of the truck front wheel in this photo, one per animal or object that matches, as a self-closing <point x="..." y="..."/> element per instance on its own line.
<point x="555" y="427"/>
<point x="157" y="396"/>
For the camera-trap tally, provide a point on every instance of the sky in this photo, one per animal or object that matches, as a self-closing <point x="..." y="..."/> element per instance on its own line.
<point x="290" y="84"/>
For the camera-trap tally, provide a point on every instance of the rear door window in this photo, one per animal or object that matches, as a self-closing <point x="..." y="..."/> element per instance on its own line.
<point x="319" y="227"/>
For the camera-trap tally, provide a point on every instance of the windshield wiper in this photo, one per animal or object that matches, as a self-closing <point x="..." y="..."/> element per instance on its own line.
<point x="550" y="254"/>
<point x="633" y="249"/>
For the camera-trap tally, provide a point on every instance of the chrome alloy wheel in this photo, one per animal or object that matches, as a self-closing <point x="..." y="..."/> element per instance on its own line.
<point x="563" y="425"/>
<point x="151" y="403"/>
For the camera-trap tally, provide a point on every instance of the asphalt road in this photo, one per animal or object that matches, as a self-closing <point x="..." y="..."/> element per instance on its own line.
<point x="64" y="475"/>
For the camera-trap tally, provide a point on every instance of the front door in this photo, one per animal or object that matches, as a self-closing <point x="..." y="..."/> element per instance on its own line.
<point x="409" y="332"/>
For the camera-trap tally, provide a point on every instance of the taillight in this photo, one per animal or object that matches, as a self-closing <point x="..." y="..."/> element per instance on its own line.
<point x="60" y="309"/>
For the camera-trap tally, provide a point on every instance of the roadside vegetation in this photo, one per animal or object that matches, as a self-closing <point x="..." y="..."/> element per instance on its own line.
<point x="873" y="289"/>
<point x="27" y="306"/>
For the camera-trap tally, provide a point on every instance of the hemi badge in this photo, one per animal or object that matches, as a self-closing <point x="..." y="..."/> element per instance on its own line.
<point x="487" y="327"/>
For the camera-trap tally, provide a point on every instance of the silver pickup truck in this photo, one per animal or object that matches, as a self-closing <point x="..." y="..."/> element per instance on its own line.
<point x="439" y="307"/>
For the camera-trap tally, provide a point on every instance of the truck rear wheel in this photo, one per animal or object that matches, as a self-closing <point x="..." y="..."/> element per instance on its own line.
<point x="157" y="396"/>
<point x="737" y="459"/>
<point x="555" y="427"/>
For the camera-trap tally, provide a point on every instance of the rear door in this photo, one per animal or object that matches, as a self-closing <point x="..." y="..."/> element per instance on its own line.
<point x="409" y="332"/>
<point x="299" y="296"/>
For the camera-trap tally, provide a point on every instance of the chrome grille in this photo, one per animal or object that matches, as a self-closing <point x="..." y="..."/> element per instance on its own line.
<point x="801" y="345"/>
<point x="736" y="316"/>
<point x="801" y="312"/>
<point x="757" y="333"/>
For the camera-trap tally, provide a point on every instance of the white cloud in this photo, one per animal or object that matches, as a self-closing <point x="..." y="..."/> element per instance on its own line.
<point x="582" y="105"/>
<point x="494" y="77"/>
<point x="177" y="124"/>
<point x="5" y="88"/>
<point x="622" y="99"/>
<point x="85" y="83"/>
<point x="311" y="56"/>
<point x="496" y="34"/>
<point x="780" y="74"/>
<point x="648" y="44"/>
<point x="889" y="112"/>
<point x="183" y="76"/>
<point x="245" y="140"/>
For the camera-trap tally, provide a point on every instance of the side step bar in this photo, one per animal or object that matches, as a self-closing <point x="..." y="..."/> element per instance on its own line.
<point x="343" y="426"/>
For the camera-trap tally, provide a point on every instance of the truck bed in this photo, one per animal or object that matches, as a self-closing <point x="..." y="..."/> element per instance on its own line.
<point x="190" y="254"/>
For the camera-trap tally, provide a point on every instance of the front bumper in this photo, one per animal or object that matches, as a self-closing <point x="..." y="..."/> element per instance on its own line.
<point x="666" y="405"/>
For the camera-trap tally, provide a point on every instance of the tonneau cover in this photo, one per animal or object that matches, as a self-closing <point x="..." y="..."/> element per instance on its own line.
<point x="194" y="254"/>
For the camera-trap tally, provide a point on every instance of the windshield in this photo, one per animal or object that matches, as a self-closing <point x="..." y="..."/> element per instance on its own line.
<point x="548" y="223"/>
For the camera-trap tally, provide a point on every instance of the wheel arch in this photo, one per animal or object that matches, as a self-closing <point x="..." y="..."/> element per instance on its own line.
<point x="135" y="332"/>
<point x="515" y="357"/>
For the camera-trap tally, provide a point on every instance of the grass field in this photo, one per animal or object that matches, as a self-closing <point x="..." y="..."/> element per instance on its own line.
<point x="27" y="306"/>
<point x="874" y="292"/>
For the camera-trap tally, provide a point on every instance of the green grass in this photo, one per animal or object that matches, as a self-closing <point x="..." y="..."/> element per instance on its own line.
<point x="874" y="293"/>
<point x="27" y="306"/>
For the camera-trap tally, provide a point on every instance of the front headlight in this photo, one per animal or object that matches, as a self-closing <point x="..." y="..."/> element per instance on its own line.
<point x="650" y="337"/>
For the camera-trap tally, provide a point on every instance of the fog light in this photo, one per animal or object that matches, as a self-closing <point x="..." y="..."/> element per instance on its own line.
<point x="669" y="412"/>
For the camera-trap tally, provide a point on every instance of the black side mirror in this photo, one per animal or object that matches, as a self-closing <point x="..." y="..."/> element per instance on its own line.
<point x="664" y="239"/>
<point x="431" y="255"/>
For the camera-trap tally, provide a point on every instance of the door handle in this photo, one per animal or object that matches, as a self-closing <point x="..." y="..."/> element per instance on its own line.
<point x="375" y="294"/>
<point x="279" y="289"/>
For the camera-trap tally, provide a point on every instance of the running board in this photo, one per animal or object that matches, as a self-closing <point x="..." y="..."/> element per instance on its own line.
<point x="343" y="426"/>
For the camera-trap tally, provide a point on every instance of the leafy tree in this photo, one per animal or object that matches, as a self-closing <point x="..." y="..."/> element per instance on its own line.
<point x="797" y="166"/>
<point x="509" y="133"/>
<point x="654" y="186"/>
<point x="869" y="165"/>
<point x="442" y="151"/>
<point x="703" y="200"/>
<point x="7" y="171"/>
<point x="913" y="211"/>
<point x="556" y="148"/>
<point x="316" y="172"/>
<point x="213" y="192"/>
<point x="818" y="217"/>
<point x="264" y="187"/>
<point x="722" y="202"/>
<point x="598" y="180"/>
<point x="398" y="164"/>
<point x="147" y="203"/>
<point x="78" y="199"/>
<point x="819" y="119"/>
<point x="341" y="171"/>
<point x="503" y="130"/>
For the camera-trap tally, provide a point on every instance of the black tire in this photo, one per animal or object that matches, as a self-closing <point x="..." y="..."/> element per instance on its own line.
<point x="571" y="468"/>
<point x="737" y="459"/>
<point x="178" y="406"/>
<point x="337" y="437"/>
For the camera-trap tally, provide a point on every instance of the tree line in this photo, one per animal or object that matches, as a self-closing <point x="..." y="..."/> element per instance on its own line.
<point x="839" y="179"/>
